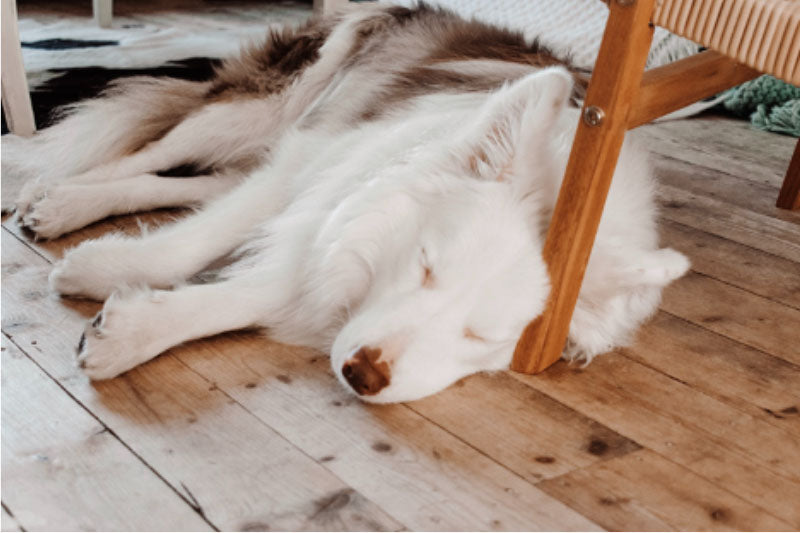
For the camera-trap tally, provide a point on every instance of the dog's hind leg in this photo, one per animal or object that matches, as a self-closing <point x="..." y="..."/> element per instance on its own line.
<point x="131" y="114"/>
<point x="171" y="254"/>
<point x="218" y="135"/>
<point x="137" y="325"/>
<point x="69" y="206"/>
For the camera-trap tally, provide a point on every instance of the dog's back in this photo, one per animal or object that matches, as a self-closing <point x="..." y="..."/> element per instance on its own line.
<point x="362" y="65"/>
<point x="332" y="73"/>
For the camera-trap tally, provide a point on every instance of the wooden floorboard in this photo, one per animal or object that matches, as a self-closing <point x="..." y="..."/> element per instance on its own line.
<point x="73" y="449"/>
<point x="412" y="468"/>
<point x="737" y="314"/>
<point x="723" y="219"/>
<point x="644" y="491"/>
<point x="694" y="426"/>
<point x="648" y="407"/>
<point x="766" y="275"/>
<point x="749" y="154"/>
<point x="748" y="379"/>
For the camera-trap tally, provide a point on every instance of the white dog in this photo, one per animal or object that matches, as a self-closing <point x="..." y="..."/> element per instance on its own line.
<point x="388" y="178"/>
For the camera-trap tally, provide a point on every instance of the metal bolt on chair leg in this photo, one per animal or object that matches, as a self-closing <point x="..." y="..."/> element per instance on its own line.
<point x="593" y="115"/>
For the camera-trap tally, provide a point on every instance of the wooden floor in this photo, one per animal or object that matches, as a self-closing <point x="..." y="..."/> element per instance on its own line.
<point x="694" y="427"/>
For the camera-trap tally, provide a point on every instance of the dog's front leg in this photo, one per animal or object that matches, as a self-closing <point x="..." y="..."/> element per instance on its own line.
<point x="174" y="253"/>
<point x="137" y="325"/>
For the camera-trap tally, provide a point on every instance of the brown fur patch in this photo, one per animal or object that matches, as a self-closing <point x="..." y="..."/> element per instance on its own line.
<point x="445" y="37"/>
<point x="271" y="66"/>
<point x="365" y="372"/>
<point x="163" y="103"/>
<point x="402" y="52"/>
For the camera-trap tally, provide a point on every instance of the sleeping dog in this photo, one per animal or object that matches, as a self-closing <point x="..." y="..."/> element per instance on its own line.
<point x="380" y="183"/>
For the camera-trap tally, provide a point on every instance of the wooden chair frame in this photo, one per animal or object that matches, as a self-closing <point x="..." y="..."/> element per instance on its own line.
<point x="621" y="96"/>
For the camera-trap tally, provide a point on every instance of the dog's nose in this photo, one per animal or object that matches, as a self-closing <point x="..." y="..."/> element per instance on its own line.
<point x="365" y="373"/>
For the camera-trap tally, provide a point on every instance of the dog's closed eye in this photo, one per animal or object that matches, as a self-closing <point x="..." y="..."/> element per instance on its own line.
<point x="428" y="278"/>
<point x="470" y="334"/>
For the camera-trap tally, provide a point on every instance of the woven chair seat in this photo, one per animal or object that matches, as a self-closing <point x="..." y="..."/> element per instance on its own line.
<point x="762" y="34"/>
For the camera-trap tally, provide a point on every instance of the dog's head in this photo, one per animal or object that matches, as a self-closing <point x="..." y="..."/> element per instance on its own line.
<point x="445" y="258"/>
<point x="451" y="298"/>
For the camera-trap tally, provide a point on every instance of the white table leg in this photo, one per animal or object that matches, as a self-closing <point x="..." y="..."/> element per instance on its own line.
<point x="326" y="7"/>
<point x="16" y="99"/>
<point x="103" y="11"/>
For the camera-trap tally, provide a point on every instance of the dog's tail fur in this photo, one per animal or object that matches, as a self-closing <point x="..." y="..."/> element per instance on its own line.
<point x="130" y="114"/>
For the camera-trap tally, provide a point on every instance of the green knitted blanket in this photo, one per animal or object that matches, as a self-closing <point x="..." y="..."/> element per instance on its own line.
<point x="771" y="104"/>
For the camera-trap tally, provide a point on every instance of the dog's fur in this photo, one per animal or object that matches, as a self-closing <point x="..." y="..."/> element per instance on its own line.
<point x="383" y="181"/>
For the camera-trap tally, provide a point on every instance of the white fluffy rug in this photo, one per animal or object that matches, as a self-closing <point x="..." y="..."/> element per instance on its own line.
<point x="569" y="26"/>
<point x="148" y="33"/>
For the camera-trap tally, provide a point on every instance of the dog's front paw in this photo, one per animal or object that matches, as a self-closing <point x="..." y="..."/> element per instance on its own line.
<point x="88" y="270"/>
<point x="111" y="343"/>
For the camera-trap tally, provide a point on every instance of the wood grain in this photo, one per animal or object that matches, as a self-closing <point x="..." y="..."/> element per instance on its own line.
<point x="665" y="89"/>
<point x="731" y="147"/>
<point x="383" y="451"/>
<point x="50" y="442"/>
<point x="766" y="275"/>
<point x="749" y="194"/>
<point x="756" y="32"/>
<point x="737" y="314"/>
<point x="542" y="438"/>
<point x="680" y="424"/>
<point x="646" y="492"/>
<point x="719" y="217"/>
<point x="755" y="382"/>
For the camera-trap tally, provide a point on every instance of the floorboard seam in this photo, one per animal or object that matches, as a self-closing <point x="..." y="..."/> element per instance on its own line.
<point x="744" y="289"/>
<point x="724" y="238"/>
<point x="26" y="244"/>
<point x="737" y="341"/>
<point x="285" y="439"/>
<point x="714" y="396"/>
<point x="110" y="431"/>
<point x="8" y="511"/>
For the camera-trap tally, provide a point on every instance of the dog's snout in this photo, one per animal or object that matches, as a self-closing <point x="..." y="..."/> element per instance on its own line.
<point x="365" y="372"/>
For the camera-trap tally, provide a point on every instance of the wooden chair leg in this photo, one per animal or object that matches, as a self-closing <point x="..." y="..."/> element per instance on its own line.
<point x="16" y="99"/>
<point x="789" y="197"/>
<point x="611" y="95"/>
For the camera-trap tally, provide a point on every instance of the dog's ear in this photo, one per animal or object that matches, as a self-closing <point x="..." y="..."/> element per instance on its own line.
<point x="356" y="235"/>
<point x="512" y="137"/>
